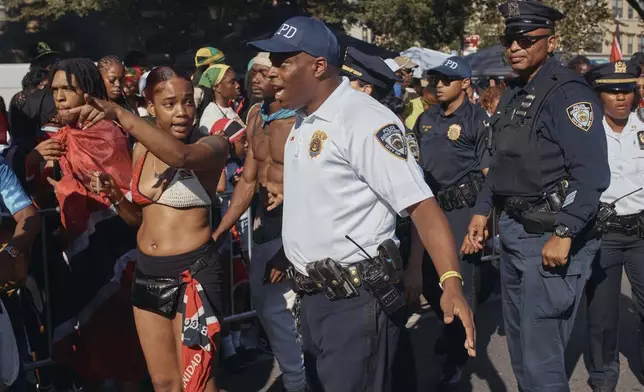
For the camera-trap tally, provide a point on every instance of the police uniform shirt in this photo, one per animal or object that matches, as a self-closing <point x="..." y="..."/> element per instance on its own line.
<point x="452" y="146"/>
<point x="347" y="171"/>
<point x="626" y="160"/>
<point x="568" y="127"/>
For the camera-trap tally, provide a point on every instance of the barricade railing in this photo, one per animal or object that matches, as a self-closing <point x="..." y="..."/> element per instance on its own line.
<point x="233" y="317"/>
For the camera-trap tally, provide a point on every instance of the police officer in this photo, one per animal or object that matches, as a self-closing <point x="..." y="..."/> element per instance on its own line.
<point x="622" y="223"/>
<point x="454" y="156"/>
<point x="548" y="168"/>
<point x="347" y="172"/>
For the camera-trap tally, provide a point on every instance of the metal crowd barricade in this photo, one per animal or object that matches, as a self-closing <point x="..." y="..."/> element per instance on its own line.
<point x="49" y="328"/>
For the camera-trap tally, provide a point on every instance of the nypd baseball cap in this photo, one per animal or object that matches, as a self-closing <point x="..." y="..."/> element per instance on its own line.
<point x="454" y="66"/>
<point x="303" y="34"/>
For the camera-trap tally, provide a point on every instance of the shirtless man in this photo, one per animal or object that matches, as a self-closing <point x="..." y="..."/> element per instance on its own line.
<point x="268" y="127"/>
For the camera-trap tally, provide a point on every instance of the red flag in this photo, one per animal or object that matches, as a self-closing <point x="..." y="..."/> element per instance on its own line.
<point x="616" y="47"/>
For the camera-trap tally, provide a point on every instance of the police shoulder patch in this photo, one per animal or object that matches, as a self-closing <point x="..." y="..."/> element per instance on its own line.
<point x="581" y="115"/>
<point x="393" y="140"/>
<point x="412" y="145"/>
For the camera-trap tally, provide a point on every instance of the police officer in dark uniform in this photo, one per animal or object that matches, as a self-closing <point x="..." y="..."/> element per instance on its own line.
<point x="548" y="169"/>
<point x="621" y="222"/>
<point x="454" y="156"/>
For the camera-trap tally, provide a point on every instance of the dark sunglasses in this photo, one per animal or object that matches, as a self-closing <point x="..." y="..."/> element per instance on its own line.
<point x="524" y="41"/>
<point x="446" y="80"/>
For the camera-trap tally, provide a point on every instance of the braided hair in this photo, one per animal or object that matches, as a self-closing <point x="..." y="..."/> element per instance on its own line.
<point x="105" y="62"/>
<point x="86" y="73"/>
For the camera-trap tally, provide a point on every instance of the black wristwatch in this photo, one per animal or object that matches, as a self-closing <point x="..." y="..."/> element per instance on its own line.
<point x="562" y="231"/>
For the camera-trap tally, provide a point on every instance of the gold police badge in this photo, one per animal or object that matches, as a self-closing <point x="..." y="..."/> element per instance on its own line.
<point x="620" y="67"/>
<point x="454" y="132"/>
<point x="317" y="142"/>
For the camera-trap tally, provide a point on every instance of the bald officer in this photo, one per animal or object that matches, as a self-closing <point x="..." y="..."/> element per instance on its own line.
<point x="623" y="234"/>
<point x="347" y="173"/>
<point x="548" y="167"/>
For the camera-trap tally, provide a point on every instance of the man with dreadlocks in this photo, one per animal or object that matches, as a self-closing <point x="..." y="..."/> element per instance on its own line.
<point x="97" y="243"/>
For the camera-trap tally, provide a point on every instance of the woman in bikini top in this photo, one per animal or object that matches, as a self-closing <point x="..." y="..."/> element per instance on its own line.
<point x="173" y="182"/>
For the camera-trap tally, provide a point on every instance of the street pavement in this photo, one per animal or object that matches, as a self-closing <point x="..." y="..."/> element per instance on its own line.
<point x="491" y="369"/>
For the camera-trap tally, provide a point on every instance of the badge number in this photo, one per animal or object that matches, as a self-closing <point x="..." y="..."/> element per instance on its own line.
<point x="581" y="115"/>
<point x="392" y="139"/>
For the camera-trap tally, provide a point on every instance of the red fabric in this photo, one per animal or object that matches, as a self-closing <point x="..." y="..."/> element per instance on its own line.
<point x="104" y="148"/>
<point x="616" y="48"/>
<point x="198" y="349"/>
<point x="107" y="346"/>
<point x="137" y="197"/>
<point x="4" y="128"/>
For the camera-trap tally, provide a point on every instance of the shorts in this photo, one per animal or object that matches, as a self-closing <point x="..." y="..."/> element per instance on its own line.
<point x="214" y="278"/>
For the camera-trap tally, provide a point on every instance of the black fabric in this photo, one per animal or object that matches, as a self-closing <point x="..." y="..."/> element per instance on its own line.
<point x="214" y="278"/>
<point x="603" y="292"/>
<point x="524" y="163"/>
<point x="349" y="345"/>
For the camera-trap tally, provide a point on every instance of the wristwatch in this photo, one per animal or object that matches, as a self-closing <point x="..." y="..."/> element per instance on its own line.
<point x="13" y="251"/>
<point x="562" y="231"/>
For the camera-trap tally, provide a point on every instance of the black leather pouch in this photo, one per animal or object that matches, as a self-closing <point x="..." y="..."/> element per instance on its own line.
<point x="156" y="294"/>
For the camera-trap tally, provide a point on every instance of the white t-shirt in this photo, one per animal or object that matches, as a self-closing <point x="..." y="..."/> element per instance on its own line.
<point x="212" y="113"/>
<point x="347" y="171"/>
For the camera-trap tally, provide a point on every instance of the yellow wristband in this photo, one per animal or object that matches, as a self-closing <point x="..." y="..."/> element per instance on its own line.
<point x="447" y="275"/>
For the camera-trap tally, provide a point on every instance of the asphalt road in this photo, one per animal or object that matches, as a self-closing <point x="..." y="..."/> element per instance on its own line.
<point x="490" y="370"/>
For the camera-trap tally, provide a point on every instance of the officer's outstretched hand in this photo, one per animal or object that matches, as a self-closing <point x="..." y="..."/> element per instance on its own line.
<point x="453" y="303"/>
<point x="555" y="251"/>
<point x="476" y="235"/>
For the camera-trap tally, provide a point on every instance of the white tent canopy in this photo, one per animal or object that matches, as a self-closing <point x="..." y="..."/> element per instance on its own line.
<point x="425" y="58"/>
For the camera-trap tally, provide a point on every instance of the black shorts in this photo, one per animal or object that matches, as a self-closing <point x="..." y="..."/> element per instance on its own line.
<point x="214" y="278"/>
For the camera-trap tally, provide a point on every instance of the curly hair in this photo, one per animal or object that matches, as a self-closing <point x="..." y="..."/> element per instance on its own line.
<point x="86" y="73"/>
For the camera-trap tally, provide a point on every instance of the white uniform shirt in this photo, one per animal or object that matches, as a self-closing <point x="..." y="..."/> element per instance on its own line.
<point x="212" y="113"/>
<point x="626" y="161"/>
<point x="347" y="171"/>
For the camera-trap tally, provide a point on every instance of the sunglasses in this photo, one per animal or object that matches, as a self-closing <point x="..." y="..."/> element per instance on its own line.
<point x="446" y="80"/>
<point x="524" y="41"/>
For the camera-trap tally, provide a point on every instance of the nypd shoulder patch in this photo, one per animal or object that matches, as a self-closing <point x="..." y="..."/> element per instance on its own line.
<point x="581" y="115"/>
<point x="393" y="140"/>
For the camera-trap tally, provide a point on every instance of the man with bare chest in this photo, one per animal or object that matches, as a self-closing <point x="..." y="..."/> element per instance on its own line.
<point x="268" y="127"/>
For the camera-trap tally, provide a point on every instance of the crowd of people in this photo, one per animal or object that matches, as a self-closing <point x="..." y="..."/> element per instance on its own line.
<point x="343" y="188"/>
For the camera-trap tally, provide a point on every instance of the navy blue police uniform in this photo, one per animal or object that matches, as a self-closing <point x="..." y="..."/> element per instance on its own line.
<point x="621" y="223"/>
<point x="453" y="154"/>
<point x="548" y="169"/>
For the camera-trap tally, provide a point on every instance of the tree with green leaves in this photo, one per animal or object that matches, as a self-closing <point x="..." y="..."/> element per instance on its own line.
<point x="584" y="24"/>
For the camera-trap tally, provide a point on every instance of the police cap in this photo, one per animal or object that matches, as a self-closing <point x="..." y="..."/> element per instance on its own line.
<point x="523" y="16"/>
<point x="370" y="69"/>
<point x="617" y="76"/>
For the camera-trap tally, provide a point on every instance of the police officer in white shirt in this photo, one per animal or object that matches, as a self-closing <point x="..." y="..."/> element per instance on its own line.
<point x="347" y="172"/>
<point x="623" y="233"/>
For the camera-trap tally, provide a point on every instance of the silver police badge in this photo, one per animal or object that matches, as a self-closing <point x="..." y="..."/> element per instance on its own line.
<point x="412" y="145"/>
<point x="393" y="140"/>
<point x="581" y="115"/>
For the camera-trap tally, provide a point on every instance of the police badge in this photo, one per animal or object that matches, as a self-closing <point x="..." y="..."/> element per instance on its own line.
<point x="620" y="67"/>
<point x="392" y="139"/>
<point x="454" y="132"/>
<point x="581" y="115"/>
<point x="513" y="9"/>
<point x="412" y="145"/>
<point x="317" y="142"/>
<point x="640" y="139"/>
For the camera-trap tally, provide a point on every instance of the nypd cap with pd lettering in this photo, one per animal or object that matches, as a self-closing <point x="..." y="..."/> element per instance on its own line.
<point x="455" y="67"/>
<point x="303" y="34"/>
